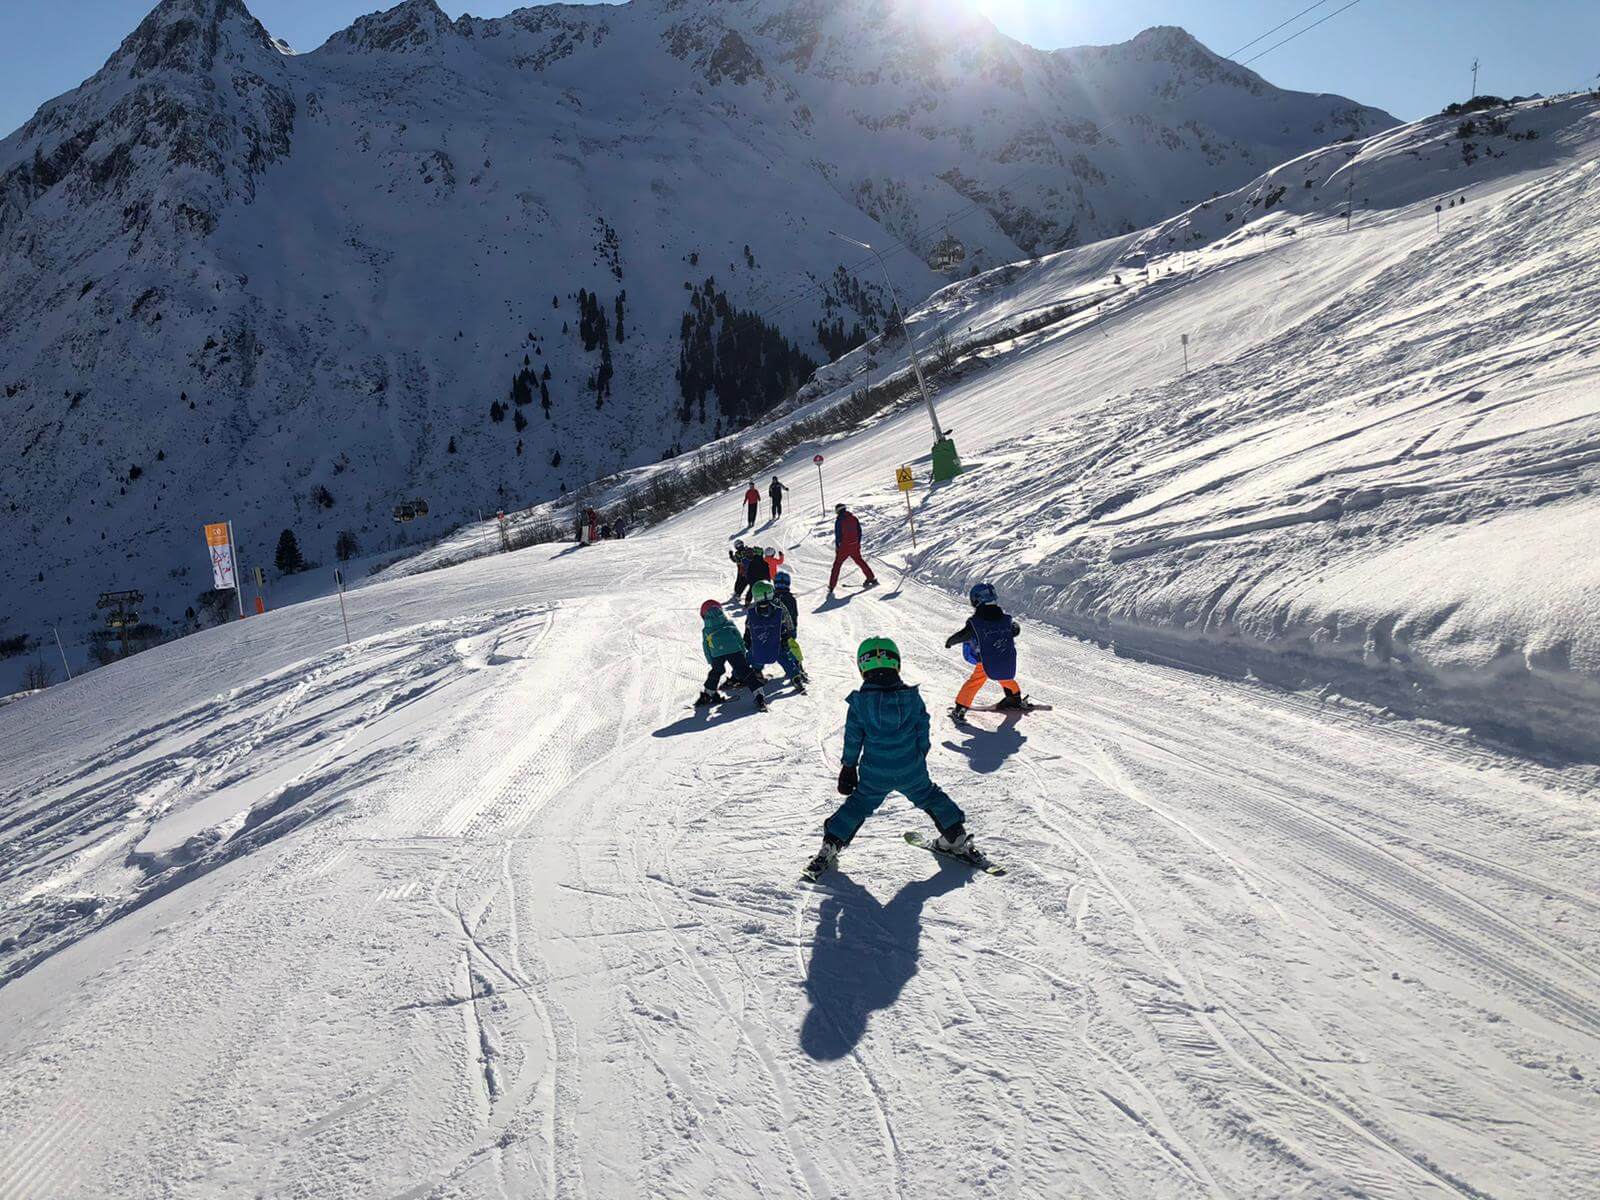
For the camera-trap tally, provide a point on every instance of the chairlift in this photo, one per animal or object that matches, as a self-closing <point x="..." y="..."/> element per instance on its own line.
<point x="420" y="507"/>
<point x="948" y="254"/>
<point x="405" y="512"/>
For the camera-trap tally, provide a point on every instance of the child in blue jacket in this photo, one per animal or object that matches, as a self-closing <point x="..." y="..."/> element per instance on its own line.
<point x="886" y="750"/>
<point x="989" y="642"/>
<point x="769" y="634"/>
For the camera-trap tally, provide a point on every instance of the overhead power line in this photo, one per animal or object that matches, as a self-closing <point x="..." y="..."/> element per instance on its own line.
<point x="1263" y="37"/>
<point x="1296" y="34"/>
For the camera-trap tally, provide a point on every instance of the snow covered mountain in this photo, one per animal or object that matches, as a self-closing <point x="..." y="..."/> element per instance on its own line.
<point x="482" y="261"/>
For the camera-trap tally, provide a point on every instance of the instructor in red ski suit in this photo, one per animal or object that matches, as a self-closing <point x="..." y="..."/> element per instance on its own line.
<point x="847" y="544"/>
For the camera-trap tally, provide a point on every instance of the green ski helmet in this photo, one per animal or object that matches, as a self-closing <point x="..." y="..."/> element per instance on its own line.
<point x="760" y="590"/>
<point x="877" y="652"/>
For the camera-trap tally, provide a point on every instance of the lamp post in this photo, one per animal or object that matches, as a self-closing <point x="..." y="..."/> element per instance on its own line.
<point x="946" y="463"/>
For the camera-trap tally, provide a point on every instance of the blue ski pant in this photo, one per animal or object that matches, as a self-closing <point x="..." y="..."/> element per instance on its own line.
<point x="786" y="660"/>
<point x="873" y="788"/>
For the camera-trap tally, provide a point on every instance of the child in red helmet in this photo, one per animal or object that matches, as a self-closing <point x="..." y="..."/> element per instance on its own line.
<point x="724" y="649"/>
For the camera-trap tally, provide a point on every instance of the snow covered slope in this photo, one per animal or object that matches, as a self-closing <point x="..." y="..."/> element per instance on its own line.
<point x="479" y="907"/>
<point x="1377" y="478"/>
<point x="237" y="282"/>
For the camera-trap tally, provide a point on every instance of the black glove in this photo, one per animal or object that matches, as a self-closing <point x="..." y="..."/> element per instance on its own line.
<point x="847" y="779"/>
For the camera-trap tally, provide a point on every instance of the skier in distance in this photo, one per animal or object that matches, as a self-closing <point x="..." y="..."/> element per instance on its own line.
<point x="847" y="545"/>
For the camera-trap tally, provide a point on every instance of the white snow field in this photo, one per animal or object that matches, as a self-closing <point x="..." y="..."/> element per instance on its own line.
<point x="478" y="906"/>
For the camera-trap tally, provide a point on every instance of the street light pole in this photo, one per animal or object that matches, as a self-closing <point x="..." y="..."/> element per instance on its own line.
<point x="946" y="464"/>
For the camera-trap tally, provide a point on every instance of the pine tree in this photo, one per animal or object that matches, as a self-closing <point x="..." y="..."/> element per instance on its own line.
<point x="451" y="448"/>
<point x="345" y="546"/>
<point x="288" y="558"/>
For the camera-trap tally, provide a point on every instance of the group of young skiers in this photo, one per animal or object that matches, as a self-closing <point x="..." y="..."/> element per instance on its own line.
<point x="886" y="736"/>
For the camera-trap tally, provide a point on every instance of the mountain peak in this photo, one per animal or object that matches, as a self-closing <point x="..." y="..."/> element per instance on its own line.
<point x="1172" y="43"/>
<point x="187" y="36"/>
<point x="409" y="26"/>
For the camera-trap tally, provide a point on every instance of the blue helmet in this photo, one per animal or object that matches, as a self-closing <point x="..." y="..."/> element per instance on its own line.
<point x="982" y="593"/>
<point x="781" y="579"/>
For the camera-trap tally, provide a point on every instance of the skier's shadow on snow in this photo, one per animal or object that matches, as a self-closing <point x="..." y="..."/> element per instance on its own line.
<point x="862" y="956"/>
<point x="702" y="719"/>
<point x="833" y="601"/>
<point x="987" y="749"/>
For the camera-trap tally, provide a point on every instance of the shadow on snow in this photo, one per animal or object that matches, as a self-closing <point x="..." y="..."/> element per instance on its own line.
<point x="987" y="749"/>
<point x="863" y="955"/>
<point x="708" y="718"/>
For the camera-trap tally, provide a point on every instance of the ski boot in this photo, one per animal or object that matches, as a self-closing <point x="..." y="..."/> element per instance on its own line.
<point x="1012" y="702"/>
<point x="958" y="843"/>
<point x="761" y="699"/>
<point x="958" y="713"/>
<point x="706" y="698"/>
<point x="826" y="859"/>
<point x="869" y="585"/>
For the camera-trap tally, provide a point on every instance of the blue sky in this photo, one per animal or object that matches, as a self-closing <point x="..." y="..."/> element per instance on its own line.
<point x="1409" y="56"/>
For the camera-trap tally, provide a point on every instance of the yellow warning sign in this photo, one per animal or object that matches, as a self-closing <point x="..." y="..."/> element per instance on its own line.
<point x="903" y="479"/>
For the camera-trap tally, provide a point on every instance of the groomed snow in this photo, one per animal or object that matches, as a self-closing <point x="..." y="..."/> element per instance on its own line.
<point x="523" y="923"/>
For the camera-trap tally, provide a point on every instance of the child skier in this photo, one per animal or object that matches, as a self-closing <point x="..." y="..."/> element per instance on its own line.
<point x="768" y="633"/>
<point x="783" y="593"/>
<point x="741" y="561"/>
<point x="886" y="749"/>
<point x="755" y="568"/>
<point x="774" y="558"/>
<point x="988" y="642"/>
<point x="725" y="650"/>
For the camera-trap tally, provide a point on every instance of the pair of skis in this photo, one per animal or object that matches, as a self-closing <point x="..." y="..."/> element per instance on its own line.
<point x="1029" y="707"/>
<point x="974" y="858"/>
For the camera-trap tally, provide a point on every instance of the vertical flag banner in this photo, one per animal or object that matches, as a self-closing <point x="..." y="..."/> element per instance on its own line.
<point x="220" y="543"/>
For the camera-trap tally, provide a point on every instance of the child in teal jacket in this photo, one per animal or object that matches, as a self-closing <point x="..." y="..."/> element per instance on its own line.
<point x="724" y="649"/>
<point x="886" y="750"/>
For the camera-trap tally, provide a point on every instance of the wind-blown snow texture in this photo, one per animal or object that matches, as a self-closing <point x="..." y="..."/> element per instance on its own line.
<point x="231" y="276"/>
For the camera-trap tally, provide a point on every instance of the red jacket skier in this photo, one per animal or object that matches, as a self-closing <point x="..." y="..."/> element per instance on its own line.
<point x="847" y="544"/>
<point x="752" y="501"/>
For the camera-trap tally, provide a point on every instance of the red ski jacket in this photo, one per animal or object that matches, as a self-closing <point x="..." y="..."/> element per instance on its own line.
<point x="846" y="532"/>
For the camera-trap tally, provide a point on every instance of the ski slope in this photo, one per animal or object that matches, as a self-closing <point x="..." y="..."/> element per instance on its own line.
<point x="478" y="906"/>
